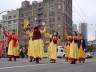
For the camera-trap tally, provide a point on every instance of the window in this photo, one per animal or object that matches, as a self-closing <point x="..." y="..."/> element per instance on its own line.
<point x="51" y="8"/>
<point x="51" y="13"/>
<point x="59" y="6"/>
<point x="52" y="19"/>
<point x="40" y="4"/>
<point x="9" y="17"/>
<point x="22" y="15"/>
<point x="9" y="22"/>
<point x="39" y="20"/>
<point x="14" y="16"/>
<point x="6" y="18"/>
<point x="59" y="19"/>
<point x="14" y="21"/>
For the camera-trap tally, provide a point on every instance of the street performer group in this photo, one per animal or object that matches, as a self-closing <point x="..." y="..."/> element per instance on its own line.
<point x="74" y="45"/>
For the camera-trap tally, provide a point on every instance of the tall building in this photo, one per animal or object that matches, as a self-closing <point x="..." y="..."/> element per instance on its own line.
<point x="58" y="16"/>
<point x="37" y="12"/>
<point x="74" y="26"/>
<point x="40" y="14"/>
<point x="83" y="29"/>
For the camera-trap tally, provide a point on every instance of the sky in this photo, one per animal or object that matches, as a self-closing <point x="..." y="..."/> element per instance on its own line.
<point x="83" y="11"/>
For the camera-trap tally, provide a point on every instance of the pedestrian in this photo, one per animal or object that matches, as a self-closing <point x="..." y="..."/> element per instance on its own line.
<point x="52" y="49"/>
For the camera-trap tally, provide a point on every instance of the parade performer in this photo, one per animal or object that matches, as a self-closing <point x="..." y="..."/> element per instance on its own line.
<point x="38" y="44"/>
<point x="81" y="52"/>
<point x="30" y="51"/>
<point x="73" y="54"/>
<point x="52" y="49"/>
<point x="45" y="36"/>
<point x="13" y="45"/>
<point x="67" y="49"/>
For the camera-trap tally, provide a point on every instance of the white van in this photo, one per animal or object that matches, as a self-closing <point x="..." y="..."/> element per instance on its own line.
<point x="60" y="52"/>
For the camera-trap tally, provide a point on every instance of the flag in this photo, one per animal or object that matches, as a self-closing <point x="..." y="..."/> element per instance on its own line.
<point x="26" y="22"/>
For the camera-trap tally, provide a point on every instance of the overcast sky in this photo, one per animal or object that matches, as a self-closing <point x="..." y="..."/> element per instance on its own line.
<point x="83" y="11"/>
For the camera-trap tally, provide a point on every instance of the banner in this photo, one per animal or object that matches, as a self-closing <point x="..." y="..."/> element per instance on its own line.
<point x="26" y="22"/>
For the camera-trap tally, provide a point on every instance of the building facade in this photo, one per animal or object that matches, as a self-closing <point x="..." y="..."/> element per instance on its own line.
<point x="58" y="16"/>
<point x="83" y="29"/>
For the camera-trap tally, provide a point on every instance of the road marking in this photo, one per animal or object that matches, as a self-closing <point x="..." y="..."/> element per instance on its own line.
<point x="11" y="67"/>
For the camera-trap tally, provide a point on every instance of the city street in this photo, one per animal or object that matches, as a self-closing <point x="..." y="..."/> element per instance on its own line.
<point x="22" y="65"/>
<point x="52" y="29"/>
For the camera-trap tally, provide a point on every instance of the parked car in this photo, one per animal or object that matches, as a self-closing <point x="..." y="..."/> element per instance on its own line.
<point x="89" y="54"/>
<point x="60" y="52"/>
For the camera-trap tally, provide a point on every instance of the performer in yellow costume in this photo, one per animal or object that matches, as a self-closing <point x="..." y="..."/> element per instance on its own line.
<point x="52" y="49"/>
<point x="38" y="44"/>
<point x="30" y="51"/>
<point x="81" y="52"/>
<point x="17" y="50"/>
<point x="13" y="45"/>
<point x="73" y="54"/>
<point x="67" y="49"/>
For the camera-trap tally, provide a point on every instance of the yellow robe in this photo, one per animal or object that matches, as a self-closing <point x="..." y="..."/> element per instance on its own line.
<point x="14" y="51"/>
<point x="73" y="50"/>
<point x="17" y="49"/>
<point x="81" y="53"/>
<point x="52" y="51"/>
<point x="31" y="51"/>
<point x="67" y="50"/>
<point x="38" y="48"/>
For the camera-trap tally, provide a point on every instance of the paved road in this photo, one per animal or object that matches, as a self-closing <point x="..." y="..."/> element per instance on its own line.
<point x="22" y="65"/>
